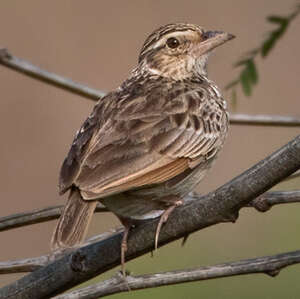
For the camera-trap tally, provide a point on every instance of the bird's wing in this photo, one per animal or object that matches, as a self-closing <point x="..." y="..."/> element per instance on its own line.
<point x="145" y="141"/>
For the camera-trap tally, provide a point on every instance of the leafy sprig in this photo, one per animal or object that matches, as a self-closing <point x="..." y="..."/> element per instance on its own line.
<point x="248" y="76"/>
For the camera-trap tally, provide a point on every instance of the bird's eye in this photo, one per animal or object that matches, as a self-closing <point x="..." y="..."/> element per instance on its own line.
<point x="172" y="42"/>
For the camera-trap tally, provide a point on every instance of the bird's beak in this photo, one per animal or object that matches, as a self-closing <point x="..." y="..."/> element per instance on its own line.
<point x="211" y="40"/>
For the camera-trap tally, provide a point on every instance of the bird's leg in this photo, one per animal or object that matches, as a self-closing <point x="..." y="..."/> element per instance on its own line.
<point x="127" y="225"/>
<point x="172" y="202"/>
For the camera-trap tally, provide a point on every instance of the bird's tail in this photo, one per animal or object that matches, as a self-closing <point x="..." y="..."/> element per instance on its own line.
<point x="74" y="221"/>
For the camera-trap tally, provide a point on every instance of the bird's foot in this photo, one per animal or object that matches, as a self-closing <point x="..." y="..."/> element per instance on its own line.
<point x="121" y="278"/>
<point x="127" y="226"/>
<point x="172" y="202"/>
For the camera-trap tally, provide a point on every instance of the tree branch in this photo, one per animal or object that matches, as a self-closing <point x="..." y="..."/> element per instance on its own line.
<point x="36" y="216"/>
<point x="270" y="265"/>
<point x="221" y="205"/>
<point x="293" y="176"/>
<point x="26" y="68"/>
<point x="262" y="204"/>
<point x="24" y="265"/>
<point x="264" y="120"/>
<point x="35" y="72"/>
<point x="267" y="200"/>
<point x="34" y="263"/>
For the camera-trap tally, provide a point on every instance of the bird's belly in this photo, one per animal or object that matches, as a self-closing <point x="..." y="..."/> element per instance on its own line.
<point x="144" y="203"/>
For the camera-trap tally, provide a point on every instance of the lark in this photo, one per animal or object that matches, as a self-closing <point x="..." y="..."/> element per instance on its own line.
<point x="150" y="142"/>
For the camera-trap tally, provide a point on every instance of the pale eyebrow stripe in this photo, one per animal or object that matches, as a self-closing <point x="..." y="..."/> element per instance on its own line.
<point x="153" y="38"/>
<point x="172" y="34"/>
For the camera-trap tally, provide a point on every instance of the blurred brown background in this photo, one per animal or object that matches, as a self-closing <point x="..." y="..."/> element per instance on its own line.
<point x="97" y="43"/>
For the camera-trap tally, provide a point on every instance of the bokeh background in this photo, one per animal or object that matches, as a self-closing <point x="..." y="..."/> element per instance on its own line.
<point x="97" y="43"/>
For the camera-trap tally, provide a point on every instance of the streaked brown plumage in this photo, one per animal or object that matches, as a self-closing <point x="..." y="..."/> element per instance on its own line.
<point x="150" y="142"/>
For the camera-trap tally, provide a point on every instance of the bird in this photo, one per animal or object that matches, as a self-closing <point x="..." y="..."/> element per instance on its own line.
<point x="149" y="142"/>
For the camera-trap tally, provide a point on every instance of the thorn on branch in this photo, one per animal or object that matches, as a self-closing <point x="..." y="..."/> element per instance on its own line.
<point x="273" y="273"/>
<point x="185" y="238"/>
<point x="230" y="216"/>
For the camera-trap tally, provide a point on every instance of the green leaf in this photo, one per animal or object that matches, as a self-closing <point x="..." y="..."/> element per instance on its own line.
<point x="252" y="72"/>
<point x="273" y="38"/>
<point x="249" y="75"/>
<point x="277" y="19"/>
<point x="267" y="46"/>
<point x="246" y="82"/>
<point x="269" y="43"/>
<point x="232" y="84"/>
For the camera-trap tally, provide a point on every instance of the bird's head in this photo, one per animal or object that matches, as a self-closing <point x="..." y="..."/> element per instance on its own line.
<point x="180" y="50"/>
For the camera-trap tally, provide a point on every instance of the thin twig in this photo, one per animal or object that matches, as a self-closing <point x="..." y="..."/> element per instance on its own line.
<point x="221" y="205"/>
<point x="25" y="67"/>
<point x="264" y="120"/>
<point x="270" y="265"/>
<point x="35" y="72"/>
<point x="36" y="216"/>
